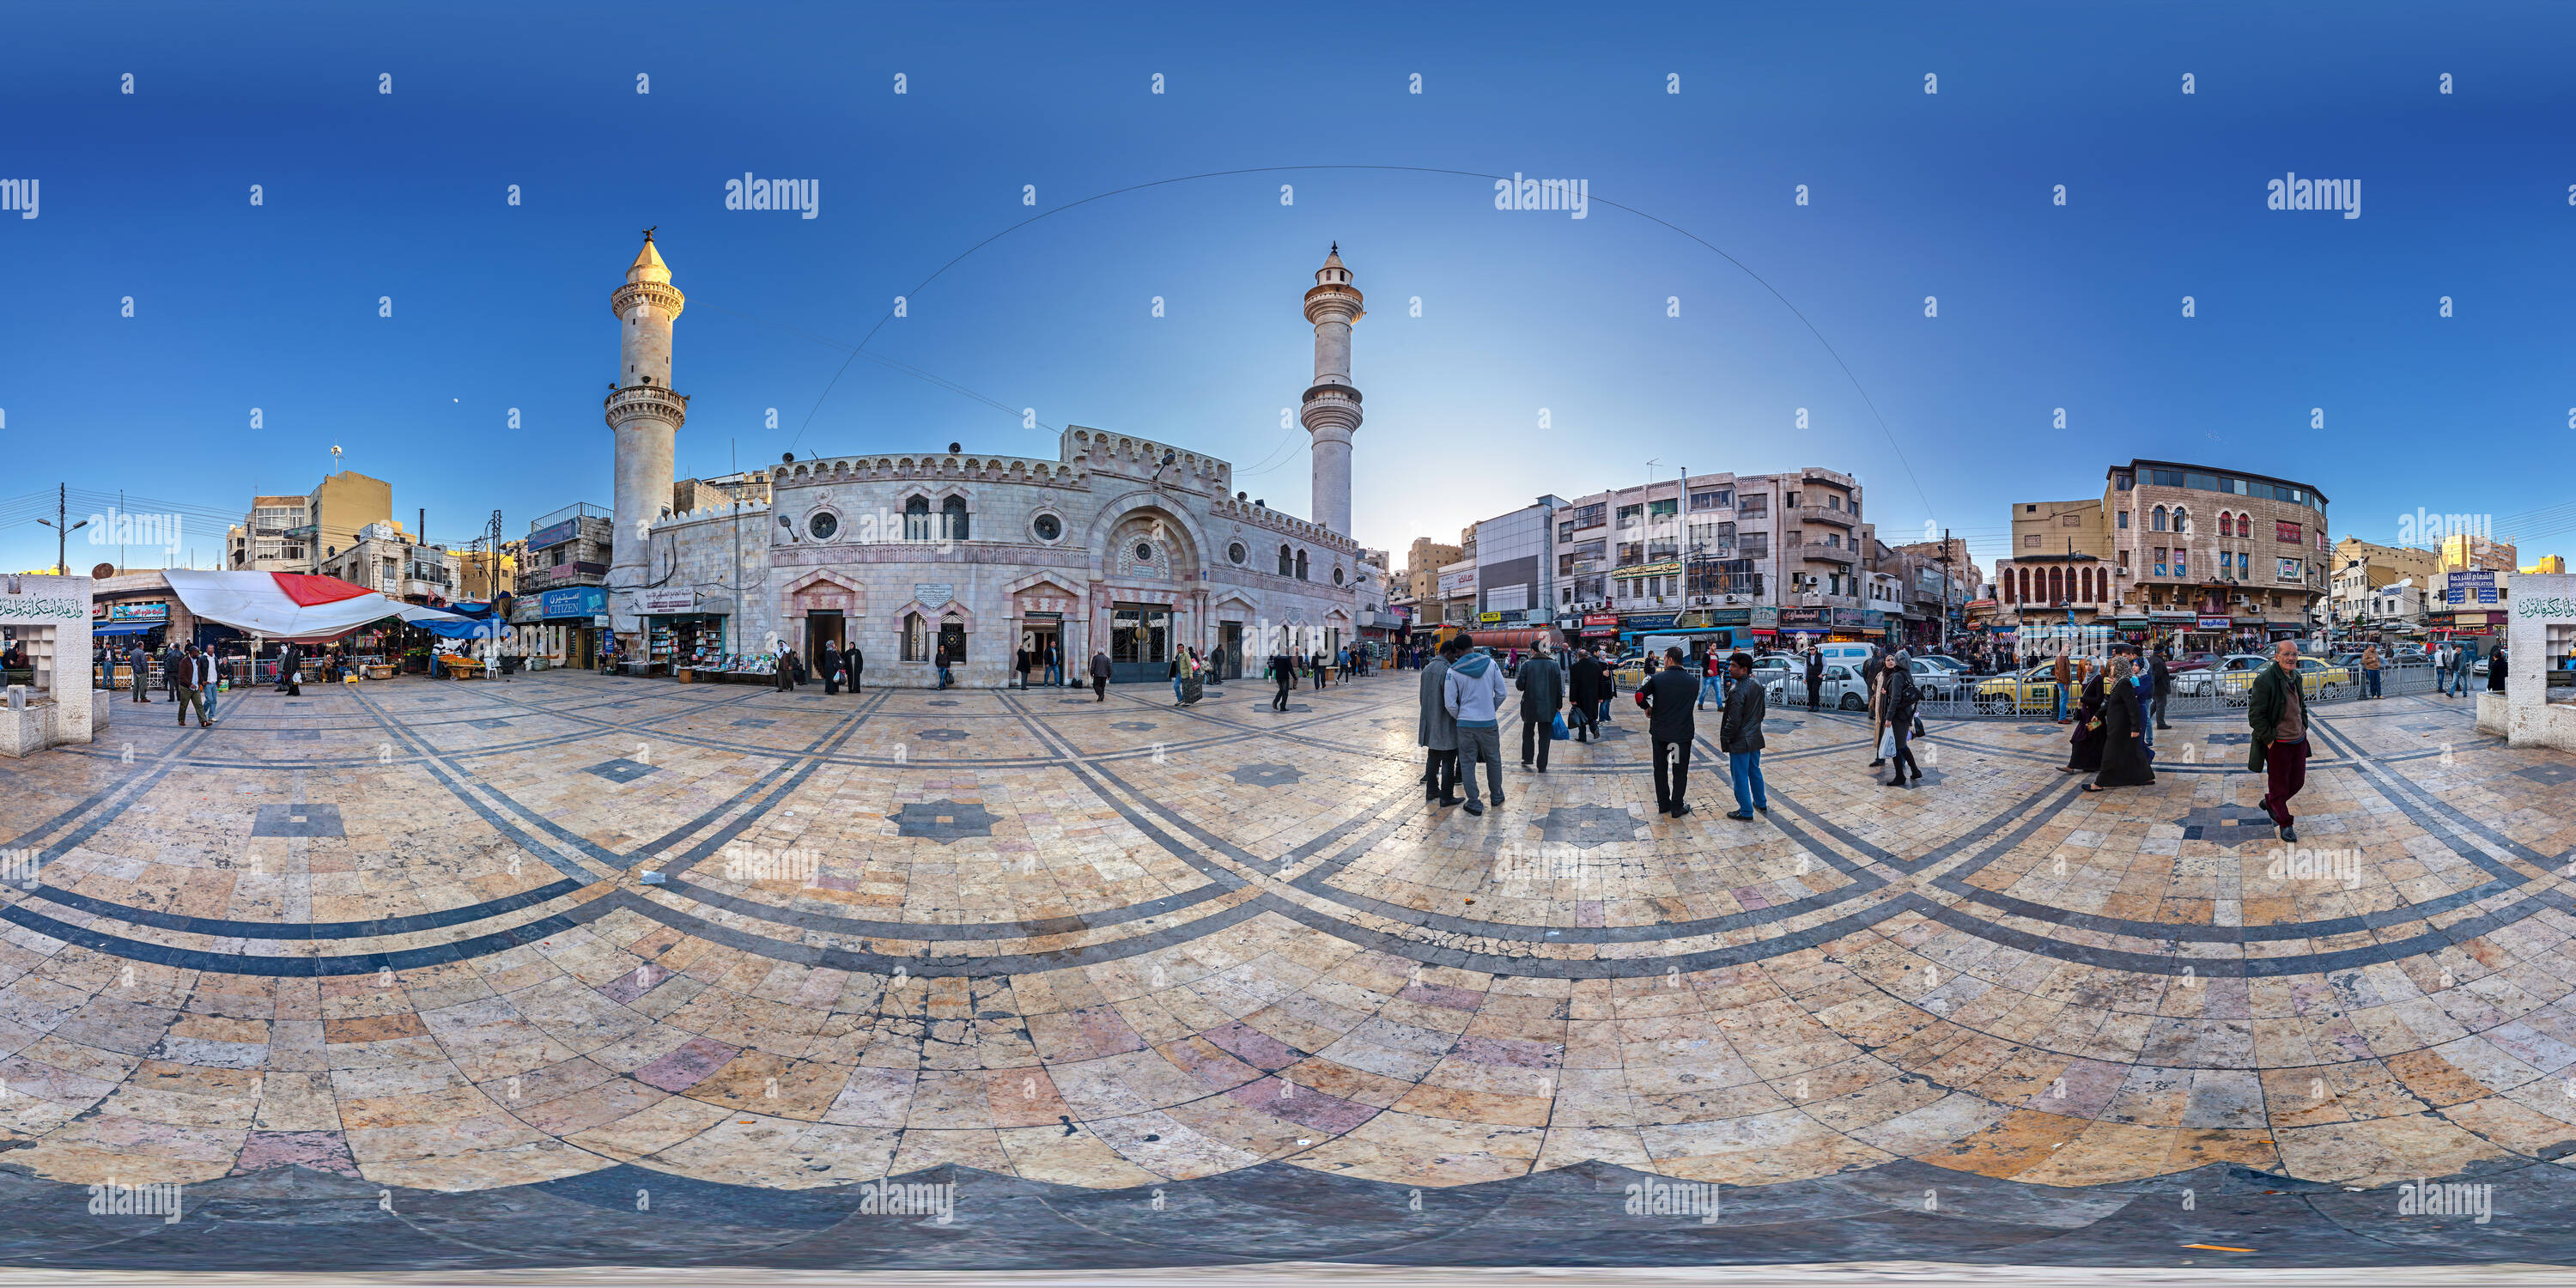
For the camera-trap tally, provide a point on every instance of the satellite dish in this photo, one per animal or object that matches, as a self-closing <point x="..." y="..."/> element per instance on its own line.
<point x="103" y="570"/>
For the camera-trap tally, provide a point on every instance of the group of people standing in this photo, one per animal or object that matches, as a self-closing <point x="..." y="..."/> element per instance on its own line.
<point x="2115" y="717"/>
<point x="1461" y="696"/>
<point x="834" y="665"/>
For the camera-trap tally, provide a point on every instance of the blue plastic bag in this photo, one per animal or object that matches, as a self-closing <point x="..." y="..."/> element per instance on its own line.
<point x="1556" y="732"/>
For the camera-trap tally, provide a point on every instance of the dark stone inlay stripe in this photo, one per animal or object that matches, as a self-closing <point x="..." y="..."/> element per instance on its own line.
<point x="222" y="928"/>
<point x="294" y="967"/>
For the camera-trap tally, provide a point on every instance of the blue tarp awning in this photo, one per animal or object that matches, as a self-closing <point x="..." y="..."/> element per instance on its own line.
<point x="125" y="628"/>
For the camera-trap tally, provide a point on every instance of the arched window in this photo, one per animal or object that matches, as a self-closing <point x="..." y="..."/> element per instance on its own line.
<point x="1285" y="565"/>
<point x="2056" y="584"/>
<point x="916" y="519"/>
<point x="2182" y="520"/>
<point x="916" y="632"/>
<point x="2226" y="524"/>
<point x="1301" y="565"/>
<point x="2159" y="519"/>
<point x="952" y="519"/>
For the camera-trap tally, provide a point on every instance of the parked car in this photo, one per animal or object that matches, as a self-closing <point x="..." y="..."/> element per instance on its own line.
<point x="2234" y="676"/>
<point x="1843" y="687"/>
<point x="1937" y="682"/>
<point x="2031" y="690"/>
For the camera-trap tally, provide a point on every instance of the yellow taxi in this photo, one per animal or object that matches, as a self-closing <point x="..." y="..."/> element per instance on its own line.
<point x="2031" y="690"/>
<point x="2317" y="678"/>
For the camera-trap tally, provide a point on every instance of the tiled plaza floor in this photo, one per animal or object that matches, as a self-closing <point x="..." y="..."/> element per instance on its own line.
<point x="1155" y="986"/>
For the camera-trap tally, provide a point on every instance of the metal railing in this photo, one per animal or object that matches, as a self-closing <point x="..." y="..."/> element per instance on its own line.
<point x="2006" y="697"/>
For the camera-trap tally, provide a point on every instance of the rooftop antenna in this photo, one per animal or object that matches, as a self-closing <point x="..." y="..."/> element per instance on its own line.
<point x="335" y="458"/>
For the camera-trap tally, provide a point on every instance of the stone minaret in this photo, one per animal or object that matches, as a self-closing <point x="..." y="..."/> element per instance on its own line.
<point x="1332" y="408"/>
<point x="646" y="415"/>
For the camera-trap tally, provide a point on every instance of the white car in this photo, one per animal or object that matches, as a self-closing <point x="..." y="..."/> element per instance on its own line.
<point x="1843" y="688"/>
<point x="2205" y="681"/>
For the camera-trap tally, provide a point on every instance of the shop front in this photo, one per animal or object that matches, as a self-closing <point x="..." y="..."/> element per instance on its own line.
<point x="1599" y="626"/>
<point x="568" y="626"/>
<point x="1800" y="627"/>
<point x="1851" y="626"/>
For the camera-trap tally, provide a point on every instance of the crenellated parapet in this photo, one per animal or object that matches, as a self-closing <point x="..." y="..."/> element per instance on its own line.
<point x="927" y="467"/>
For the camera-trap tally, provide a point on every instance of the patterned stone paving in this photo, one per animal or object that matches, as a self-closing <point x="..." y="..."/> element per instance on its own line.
<point x="394" y="940"/>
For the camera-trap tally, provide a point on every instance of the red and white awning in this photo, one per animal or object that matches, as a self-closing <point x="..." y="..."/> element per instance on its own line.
<point x="288" y="605"/>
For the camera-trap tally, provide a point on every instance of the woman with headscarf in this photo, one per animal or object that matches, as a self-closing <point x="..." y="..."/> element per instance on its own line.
<point x="2085" y="748"/>
<point x="1898" y="696"/>
<point x="2124" y="749"/>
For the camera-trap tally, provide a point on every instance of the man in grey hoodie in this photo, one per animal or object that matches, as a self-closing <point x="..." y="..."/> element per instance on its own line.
<point x="1473" y="691"/>
<point x="1437" y="731"/>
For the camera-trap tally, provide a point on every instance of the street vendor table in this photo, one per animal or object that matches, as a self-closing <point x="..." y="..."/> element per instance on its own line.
<point x="460" y="668"/>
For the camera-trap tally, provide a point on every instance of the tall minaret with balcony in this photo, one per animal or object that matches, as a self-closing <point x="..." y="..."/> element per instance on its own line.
<point x="646" y="416"/>
<point x="1332" y="407"/>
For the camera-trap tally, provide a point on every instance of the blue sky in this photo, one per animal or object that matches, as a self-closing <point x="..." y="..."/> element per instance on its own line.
<point x="403" y="195"/>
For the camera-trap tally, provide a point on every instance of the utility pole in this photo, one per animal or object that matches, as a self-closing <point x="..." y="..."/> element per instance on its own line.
<point x="1945" y="590"/>
<point x="62" y="533"/>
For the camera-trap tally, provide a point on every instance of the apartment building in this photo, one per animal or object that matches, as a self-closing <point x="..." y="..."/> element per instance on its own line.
<point x="1760" y="554"/>
<point x="2192" y="554"/>
<point x="384" y="558"/>
<point x="299" y="533"/>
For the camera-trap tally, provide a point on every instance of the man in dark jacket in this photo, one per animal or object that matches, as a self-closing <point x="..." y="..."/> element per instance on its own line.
<point x="1542" y="689"/>
<point x="2160" y="674"/>
<point x="1283" y="671"/>
<point x="2495" y="669"/>
<point x="786" y="668"/>
<point x="1739" y="735"/>
<point x="290" y="671"/>
<point x="854" y="662"/>
<point x="830" y="658"/>
<point x="1436" y="730"/>
<point x="141" y="663"/>
<point x="1666" y="695"/>
<point x="1099" y="677"/>
<point x="1815" y="675"/>
<point x="2276" y="711"/>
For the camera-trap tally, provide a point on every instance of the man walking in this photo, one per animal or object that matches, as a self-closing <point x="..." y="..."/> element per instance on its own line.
<point x="1815" y="674"/>
<point x="2160" y="674"/>
<point x="1666" y="695"/>
<point x="1473" y="691"/>
<point x="290" y="671"/>
<point x="786" y="668"/>
<point x="1583" y="692"/>
<point x="2276" y="713"/>
<point x="1021" y="661"/>
<point x="1099" y="677"/>
<point x="943" y="661"/>
<point x="1709" y="672"/>
<point x="171" y="657"/>
<point x="1283" y="671"/>
<point x="1054" y="665"/>
<point x="2064" y="674"/>
<point x="830" y="660"/>
<point x="1739" y="735"/>
<point x="1434" y="729"/>
<point x="141" y="664"/>
<point x="855" y="662"/>
<point x="2370" y="669"/>
<point x="1542" y="688"/>
<point x="193" y="679"/>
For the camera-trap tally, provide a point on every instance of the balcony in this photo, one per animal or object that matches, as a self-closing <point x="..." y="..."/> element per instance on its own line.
<point x="1813" y="599"/>
<point x="1819" y="551"/>
<point x="1828" y="514"/>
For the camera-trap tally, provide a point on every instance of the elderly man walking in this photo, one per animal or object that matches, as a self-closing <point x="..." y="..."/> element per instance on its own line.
<point x="1542" y="688"/>
<point x="2277" y="714"/>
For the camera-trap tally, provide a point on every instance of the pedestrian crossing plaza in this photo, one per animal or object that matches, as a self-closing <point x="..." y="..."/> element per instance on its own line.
<point x="513" y="970"/>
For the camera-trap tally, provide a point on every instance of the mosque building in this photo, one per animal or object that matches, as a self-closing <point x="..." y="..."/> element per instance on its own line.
<point x="1118" y="543"/>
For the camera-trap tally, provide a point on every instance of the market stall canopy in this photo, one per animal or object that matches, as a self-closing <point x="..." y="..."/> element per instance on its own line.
<point x="453" y="626"/>
<point x="282" y="605"/>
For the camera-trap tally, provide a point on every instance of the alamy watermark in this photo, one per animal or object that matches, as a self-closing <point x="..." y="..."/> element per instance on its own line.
<point x="886" y="1198"/>
<point x="2342" y="867"/>
<point x="803" y="196"/>
<point x="2290" y="192"/>
<point x="1674" y="1198"/>
<point x="118" y="528"/>
<point x="1573" y="196"/>
<point x="2449" y="1198"/>
<point x="19" y="195"/>
<point x="159" y="1199"/>
<point x="751" y="863"/>
<point x="2425" y="528"/>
